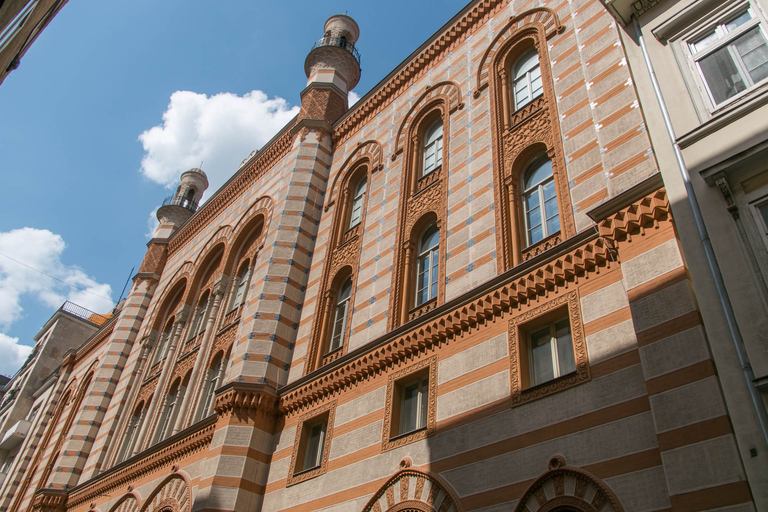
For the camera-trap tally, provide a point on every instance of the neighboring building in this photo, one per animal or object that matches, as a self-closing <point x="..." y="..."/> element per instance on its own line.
<point x="466" y="292"/>
<point x="25" y="393"/>
<point x="21" y="21"/>
<point x="703" y="66"/>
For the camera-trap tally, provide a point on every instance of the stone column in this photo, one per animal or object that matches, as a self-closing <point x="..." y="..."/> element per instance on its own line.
<point x="219" y="288"/>
<point x="143" y="440"/>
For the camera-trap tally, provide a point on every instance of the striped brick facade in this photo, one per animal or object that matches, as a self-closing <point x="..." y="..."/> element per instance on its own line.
<point x="641" y="423"/>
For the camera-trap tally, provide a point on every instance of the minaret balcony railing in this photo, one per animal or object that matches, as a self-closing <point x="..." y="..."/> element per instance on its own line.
<point x="339" y="42"/>
<point x="182" y="201"/>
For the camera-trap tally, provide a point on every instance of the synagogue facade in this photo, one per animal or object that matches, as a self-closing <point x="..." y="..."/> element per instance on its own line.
<point x="465" y="292"/>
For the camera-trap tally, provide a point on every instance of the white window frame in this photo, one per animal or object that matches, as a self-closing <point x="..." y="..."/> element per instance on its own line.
<point x="538" y="189"/>
<point x="313" y="454"/>
<point x="526" y="78"/>
<point x="433" y="146"/>
<point x="341" y="312"/>
<point x="554" y="352"/>
<point x="429" y="257"/>
<point x="358" y="201"/>
<point x="421" y="405"/>
<point x="725" y="39"/>
<point x="243" y="278"/>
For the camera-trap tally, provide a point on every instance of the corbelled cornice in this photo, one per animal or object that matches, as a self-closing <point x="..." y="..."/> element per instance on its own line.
<point x="239" y="396"/>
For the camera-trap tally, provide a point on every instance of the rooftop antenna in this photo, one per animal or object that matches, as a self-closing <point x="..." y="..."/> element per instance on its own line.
<point x="201" y="165"/>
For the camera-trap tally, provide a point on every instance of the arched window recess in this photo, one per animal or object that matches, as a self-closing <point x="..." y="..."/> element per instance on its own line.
<point x="214" y="378"/>
<point x="331" y="337"/>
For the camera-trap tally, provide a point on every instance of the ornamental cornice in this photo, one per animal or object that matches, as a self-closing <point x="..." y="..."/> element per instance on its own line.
<point x="161" y="455"/>
<point x="582" y="255"/>
<point x="636" y="218"/>
<point x="50" y="500"/>
<point x="414" y="67"/>
<point x="242" y="396"/>
<point x="262" y="162"/>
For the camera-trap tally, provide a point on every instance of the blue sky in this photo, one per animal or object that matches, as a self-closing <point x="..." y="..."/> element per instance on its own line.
<point x="115" y="99"/>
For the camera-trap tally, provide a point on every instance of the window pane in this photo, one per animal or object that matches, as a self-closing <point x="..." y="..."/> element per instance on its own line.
<point x="704" y="42"/>
<point x="409" y="408"/>
<point x="721" y="75"/>
<point x="429" y="159"/>
<point x="521" y="93"/>
<point x="422" y="282"/>
<point x="433" y="277"/>
<point x="525" y="63"/>
<point x="541" y="352"/>
<point x="539" y="171"/>
<point x="565" y="356"/>
<point x="439" y="152"/>
<point x="423" y="401"/>
<point x="536" y="87"/>
<point x="754" y="53"/>
<point x="763" y="209"/>
<point x="740" y="20"/>
<point x="313" y="455"/>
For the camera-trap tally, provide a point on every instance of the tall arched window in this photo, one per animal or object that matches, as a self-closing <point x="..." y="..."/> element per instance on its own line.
<point x="427" y="265"/>
<point x="241" y="284"/>
<point x="213" y="378"/>
<point x="341" y="314"/>
<point x="433" y="148"/>
<point x="163" y="343"/>
<point x="198" y="322"/>
<point x="170" y="410"/>
<point x="526" y="78"/>
<point x="358" y="201"/>
<point x="541" y="215"/>
<point x="134" y="425"/>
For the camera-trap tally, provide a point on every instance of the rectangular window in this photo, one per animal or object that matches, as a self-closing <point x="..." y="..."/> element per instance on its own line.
<point x="551" y="352"/>
<point x="547" y="349"/>
<point x="413" y="406"/>
<point x="313" y="451"/>
<point x="313" y="439"/>
<point x="410" y="412"/>
<point x="732" y="56"/>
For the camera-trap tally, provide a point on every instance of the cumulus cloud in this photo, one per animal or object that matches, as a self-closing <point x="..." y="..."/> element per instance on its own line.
<point x="219" y="130"/>
<point x="152" y="224"/>
<point x="41" y="250"/>
<point x="14" y="355"/>
<point x="353" y="98"/>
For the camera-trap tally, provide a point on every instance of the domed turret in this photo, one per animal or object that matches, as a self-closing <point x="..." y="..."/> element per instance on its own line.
<point x="176" y="209"/>
<point x="333" y="69"/>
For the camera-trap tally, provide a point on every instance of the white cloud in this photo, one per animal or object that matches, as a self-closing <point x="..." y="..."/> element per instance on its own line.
<point x="40" y="249"/>
<point x="353" y="98"/>
<point x="14" y="355"/>
<point x="152" y="224"/>
<point x="219" y="130"/>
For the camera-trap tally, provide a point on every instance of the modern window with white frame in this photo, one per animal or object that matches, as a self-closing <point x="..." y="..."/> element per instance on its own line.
<point x="433" y="147"/>
<point x="541" y="214"/>
<point x="427" y="265"/>
<point x="340" y="316"/>
<point x="314" y="444"/>
<point x="358" y="201"/>
<point x="414" y="397"/>
<point x="551" y="352"/>
<point x="526" y="79"/>
<point x="730" y="56"/>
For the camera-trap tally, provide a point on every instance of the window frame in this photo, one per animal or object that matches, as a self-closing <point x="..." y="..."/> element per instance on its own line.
<point x="688" y="27"/>
<point x="341" y="334"/>
<point x="297" y="472"/>
<point x="554" y="352"/>
<point x="527" y="77"/>
<point x="532" y="319"/>
<point x="424" y="373"/>
<point x="357" y="202"/>
<point x="437" y="143"/>
<point x="431" y="255"/>
<point x="538" y="188"/>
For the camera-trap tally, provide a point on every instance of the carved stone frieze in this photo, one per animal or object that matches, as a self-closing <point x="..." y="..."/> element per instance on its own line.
<point x="241" y="396"/>
<point x="50" y="500"/>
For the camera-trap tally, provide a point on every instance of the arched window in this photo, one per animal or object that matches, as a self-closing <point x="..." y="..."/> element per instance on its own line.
<point x="433" y="148"/>
<point x="427" y="265"/>
<point x="198" y="322"/>
<point x="163" y="343"/>
<point x="134" y="425"/>
<point x="340" y="317"/>
<point x="358" y="202"/>
<point x="526" y="78"/>
<point x="241" y="284"/>
<point x="213" y="378"/>
<point x="170" y="410"/>
<point x="541" y="215"/>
